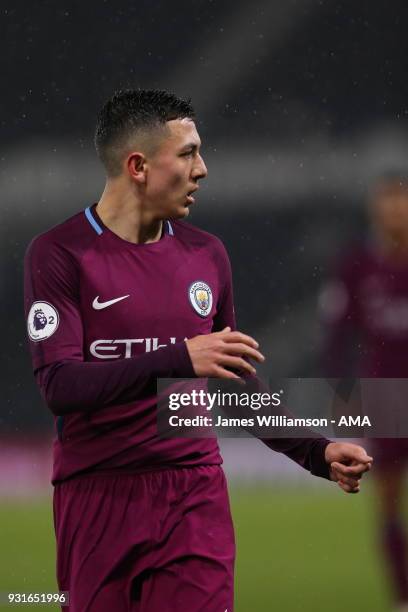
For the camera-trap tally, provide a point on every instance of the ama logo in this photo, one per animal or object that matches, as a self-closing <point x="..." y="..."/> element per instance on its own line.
<point x="42" y="321"/>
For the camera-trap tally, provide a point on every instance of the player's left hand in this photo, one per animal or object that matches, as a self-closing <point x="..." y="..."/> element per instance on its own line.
<point x="348" y="462"/>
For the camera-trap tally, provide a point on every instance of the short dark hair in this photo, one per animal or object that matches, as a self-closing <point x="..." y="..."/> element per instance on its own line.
<point x="130" y="112"/>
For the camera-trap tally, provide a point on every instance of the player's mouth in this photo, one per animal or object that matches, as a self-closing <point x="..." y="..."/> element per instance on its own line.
<point x="189" y="197"/>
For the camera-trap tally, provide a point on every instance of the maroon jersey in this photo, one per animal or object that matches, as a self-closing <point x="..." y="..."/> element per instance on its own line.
<point x="365" y="310"/>
<point x="92" y="297"/>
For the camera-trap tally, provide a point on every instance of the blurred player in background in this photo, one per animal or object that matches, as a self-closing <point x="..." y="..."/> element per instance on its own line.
<point x="365" y="312"/>
<point x="143" y="523"/>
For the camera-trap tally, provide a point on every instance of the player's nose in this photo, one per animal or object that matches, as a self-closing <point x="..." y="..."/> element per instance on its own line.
<point x="200" y="169"/>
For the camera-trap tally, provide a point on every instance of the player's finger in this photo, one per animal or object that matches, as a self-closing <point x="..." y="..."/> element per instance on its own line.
<point x="226" y="330"/>
<point x="238" y="363"/>
<point x="347" y="488"/>
<point x="356" y="454"/>
<point x="236" y="336"/>
<point x="350" y="470"/>
<point x="352" y="482"/>
<point x="243" y="349"/>
<point x="361" y="468"/>
<point x="357" y="470"/>
<point x="220" y="372"/>
<point x="338" y="475"/>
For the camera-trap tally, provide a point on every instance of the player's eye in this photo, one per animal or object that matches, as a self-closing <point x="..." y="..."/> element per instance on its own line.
<point x="187" y="153"/>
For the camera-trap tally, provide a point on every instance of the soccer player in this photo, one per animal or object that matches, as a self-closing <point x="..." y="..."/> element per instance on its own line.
<point x="365" y="311"/>
<point x="118" y="295"/>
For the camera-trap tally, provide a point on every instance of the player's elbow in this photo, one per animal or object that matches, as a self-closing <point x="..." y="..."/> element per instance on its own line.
<point x="57" y="390"/>
<point x="63" y="401"/>
<point x="58" y="408"/>
<point x="57" y="404"/>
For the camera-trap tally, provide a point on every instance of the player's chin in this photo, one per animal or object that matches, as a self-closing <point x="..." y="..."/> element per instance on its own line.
<point x="181" y="212"/>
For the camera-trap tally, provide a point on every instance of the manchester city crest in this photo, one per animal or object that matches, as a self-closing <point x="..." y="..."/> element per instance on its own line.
<point x="201" y="298"/>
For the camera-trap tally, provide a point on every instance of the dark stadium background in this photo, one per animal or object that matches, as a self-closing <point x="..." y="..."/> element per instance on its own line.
<point x="300" y="104"/>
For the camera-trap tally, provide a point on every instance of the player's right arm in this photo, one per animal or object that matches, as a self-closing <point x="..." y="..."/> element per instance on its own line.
<point x="78" y="386"/>
<point x="70" y="384"/>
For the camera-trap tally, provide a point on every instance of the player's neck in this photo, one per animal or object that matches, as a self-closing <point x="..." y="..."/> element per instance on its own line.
<point x="123" y="214"/>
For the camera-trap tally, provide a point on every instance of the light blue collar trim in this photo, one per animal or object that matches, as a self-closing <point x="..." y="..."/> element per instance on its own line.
<point x="99" y="230"/>
<point x="92" y="221"/>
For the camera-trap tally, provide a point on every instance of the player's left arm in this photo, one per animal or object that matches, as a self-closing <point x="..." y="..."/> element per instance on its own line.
<point x="343" y="463"/>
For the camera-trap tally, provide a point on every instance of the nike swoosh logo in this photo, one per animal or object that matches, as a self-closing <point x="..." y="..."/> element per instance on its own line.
<point x="97" y="305"/>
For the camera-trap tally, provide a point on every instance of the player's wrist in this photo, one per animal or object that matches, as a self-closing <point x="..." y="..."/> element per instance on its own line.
<point x="318" y="459"/>
<point x="180" y="360"/>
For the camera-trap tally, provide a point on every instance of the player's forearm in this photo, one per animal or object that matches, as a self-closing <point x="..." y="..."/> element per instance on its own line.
<point x="78" y="386"/>
<point x="306" y="452"/>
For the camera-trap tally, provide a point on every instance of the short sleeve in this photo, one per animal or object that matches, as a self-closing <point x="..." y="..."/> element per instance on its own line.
<point x="51" y="302"/>
<point x="225" y="315"/>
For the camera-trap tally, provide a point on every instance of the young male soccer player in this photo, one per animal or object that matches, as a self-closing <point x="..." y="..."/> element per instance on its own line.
<point x="143" y="523"/>
<point x="365" y="311"/>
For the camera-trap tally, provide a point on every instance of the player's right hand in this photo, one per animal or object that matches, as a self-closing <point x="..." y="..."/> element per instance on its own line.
<point x="212" y="354"/>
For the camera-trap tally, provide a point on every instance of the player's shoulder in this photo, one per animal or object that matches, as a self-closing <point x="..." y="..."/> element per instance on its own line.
<point x="72" y="236"/>
<point x="196" y="237"/>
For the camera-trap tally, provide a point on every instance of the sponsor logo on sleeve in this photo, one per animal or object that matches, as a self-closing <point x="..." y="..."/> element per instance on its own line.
<point x="42" y="321"/>
<point x="201" y="298"/>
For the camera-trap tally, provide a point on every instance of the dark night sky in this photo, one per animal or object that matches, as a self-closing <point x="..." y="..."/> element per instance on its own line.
<point x="344" y="61"/>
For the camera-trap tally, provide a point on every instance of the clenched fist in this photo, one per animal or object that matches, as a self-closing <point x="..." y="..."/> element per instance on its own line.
<point x="348" y="462"/>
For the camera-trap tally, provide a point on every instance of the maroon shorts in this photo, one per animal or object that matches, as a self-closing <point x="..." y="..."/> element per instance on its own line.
<point x="156" y="542"/>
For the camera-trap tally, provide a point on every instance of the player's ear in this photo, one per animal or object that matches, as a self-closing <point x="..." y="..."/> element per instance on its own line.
<point x="136" y="166"/>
